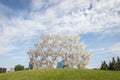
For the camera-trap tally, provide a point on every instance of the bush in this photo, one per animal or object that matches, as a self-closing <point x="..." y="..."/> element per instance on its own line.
<point x="19" y="67"/>
<point x="26" y="68"/>
<point x="3" y="70"/>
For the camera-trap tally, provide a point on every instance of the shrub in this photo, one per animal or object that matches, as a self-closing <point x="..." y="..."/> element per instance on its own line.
<point x="19" y="67"/>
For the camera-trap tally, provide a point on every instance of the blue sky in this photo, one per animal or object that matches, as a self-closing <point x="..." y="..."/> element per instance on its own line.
<point x="23" y="21"/>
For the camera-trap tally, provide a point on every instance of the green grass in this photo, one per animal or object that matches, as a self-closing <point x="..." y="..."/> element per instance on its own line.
<point x="61" y="74"/>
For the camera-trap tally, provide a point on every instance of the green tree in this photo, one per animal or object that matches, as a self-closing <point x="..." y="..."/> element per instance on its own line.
<point x="118" y="64"/>
<point x="3" y="70"/>
<point x="110" y="66"/>
<point x="26" y="68"/>
<point x="104" y="66"/>
<point x="19" y="67"/>
<point x="114" y="63"/>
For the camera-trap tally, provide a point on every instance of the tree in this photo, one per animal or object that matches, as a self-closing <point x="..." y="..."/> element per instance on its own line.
<point x="19" y="67"/>
<point x="110" y="66"/>
<point x="3" y="70"/>
<point x="118" y="64"/>
<point x="27" y="68"/>
<point x="104" y="66"/>
<point x="114" y="64"/>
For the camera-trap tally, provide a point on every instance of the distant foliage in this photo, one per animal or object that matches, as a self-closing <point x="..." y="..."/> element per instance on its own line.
<point x="3" y="70"/>
<point x="26" y="68"/>
<point x="114" y="64"/>
<point x="104" y="66"/>
<point x="19" y="67"/>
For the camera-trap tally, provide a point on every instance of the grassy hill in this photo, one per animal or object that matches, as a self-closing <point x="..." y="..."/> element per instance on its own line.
<point x="61" y="74"/>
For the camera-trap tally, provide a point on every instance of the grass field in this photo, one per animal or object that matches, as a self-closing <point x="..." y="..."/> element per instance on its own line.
<point x="61" y="74"/>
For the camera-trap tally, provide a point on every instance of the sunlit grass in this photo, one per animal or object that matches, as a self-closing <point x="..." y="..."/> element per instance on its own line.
<point x="61" y="74"/>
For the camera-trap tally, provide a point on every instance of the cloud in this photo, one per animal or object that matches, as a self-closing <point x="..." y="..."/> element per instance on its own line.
<point x="113" y="49"/>
<point x="4" y="9"/>
<point x="43" y="4"/>
<point x="7" y="48"/>
<point x="17" y="29"/>
<point x="57" y="16"/>
<point x="79" y="16"/>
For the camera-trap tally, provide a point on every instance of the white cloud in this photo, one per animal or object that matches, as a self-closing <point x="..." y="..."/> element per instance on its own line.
<point x="58" y="16"/>
<point x="39" y="4"/>
<point x="78" y="17"/>
<point x="16" y="29"/>
<point x="4" y="9"/>
<point x="113" y="49"/>
<point x="7" y="48"/>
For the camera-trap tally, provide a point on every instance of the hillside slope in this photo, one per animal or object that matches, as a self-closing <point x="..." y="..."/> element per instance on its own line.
<point x="61" y="74"/>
